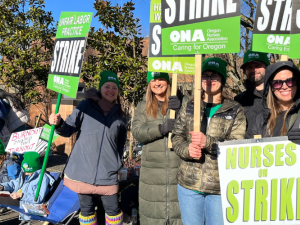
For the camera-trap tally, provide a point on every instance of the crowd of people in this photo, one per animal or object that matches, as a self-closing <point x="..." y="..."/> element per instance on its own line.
<point x="178" y="185"/>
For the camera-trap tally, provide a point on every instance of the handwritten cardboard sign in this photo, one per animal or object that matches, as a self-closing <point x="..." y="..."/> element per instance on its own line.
<point x="24" y="141"/>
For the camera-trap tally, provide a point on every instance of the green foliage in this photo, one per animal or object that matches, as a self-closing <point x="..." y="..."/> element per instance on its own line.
<point x="117" y="47"/>
<point x="26" y="44"/>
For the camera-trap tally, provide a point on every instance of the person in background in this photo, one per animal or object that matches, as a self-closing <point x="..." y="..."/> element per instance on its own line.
<point x="281" y="104"/>
<point x="13" y="114"/>
<point x="222" y="119"/>
<point x="92" y="169"/>
<point x="254" y="66"/>
<point x="24" y="187"/>
<point x="158" y="203"/>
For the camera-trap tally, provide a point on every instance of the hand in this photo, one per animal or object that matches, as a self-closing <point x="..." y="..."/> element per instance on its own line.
<point x="1" y="188"/>
<point x="167" y="126"/>
<point x="16" y="195"/>
<point x="198" y="138"/>
<point x="174" y="103"/>
<point x="195" y="151"/>
<point x="54" y="119"/>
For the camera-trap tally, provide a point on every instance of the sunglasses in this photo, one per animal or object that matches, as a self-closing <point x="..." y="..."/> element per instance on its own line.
<point x="290" y="82"/>
<point x="213" y="77"/>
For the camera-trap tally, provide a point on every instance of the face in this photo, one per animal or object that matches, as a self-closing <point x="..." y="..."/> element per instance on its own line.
<point x="284" y="94"/>
<point x="255" y="72"/>
<point x="159" y="86"/>
<point x="211" y="82"/>
<point x="109" y="91"/>
<point x="28" y="174"/>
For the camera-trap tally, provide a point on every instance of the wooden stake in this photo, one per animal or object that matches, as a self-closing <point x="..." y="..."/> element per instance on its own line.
<point x="172" y="112"/>
<point x="197" y="92"/>
<point x="284" y="58"/>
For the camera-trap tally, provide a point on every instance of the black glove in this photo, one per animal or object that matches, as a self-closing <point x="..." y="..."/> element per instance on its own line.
<point x="166" y="127"/>
<point x="174" y="103"/>
<point x="294" y="136"/>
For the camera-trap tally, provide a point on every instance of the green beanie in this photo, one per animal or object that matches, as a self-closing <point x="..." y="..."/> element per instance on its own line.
<point x="251" y="56"/>
<point x="215" y="64"/>
<point x="156" y="75"/>
<point x="31" y="162"/>
<point x="2" y="148"/>
<point x="108" y="76"/>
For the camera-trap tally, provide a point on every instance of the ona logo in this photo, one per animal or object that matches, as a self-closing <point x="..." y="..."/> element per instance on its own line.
<point x="213" y="63"/>
<point x="58" y="80"/>
<point x="111" y="78"/>
<point x="25" y="165"/>
<point x="253" y="55"/>
<point x="154" y="74"/>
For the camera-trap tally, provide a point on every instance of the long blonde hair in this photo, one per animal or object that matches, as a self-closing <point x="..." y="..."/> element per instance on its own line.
<point x="152" y="102"/>
<point x="275" y="110"/>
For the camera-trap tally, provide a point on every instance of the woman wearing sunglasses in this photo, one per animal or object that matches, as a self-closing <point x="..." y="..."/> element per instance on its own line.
<point x="281" y="103"/>
<point x="198" y="175"/>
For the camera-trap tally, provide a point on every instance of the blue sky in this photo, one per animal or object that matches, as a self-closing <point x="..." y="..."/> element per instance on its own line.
<point x="142" y="10"/>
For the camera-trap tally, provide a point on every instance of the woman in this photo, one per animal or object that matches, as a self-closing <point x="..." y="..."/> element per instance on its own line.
<point x="198" y="176"/>
<point x="158" y="203"/>
<point x="281" y="103"/>
<point x="93" y="166"/>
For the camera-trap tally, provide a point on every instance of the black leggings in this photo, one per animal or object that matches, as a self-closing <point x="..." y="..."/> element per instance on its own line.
<point x="88" y="203"/>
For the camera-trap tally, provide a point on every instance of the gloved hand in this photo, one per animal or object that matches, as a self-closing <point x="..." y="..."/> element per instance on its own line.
<point x="174" y="103"/>
<point x="294" y="136"/>
<point x="166" y="127"/>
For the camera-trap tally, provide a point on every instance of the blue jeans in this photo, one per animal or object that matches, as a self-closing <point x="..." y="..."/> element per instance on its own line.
<point x="197" y="209"/>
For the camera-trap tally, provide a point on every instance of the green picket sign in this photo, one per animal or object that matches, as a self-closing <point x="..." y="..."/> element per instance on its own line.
<point x="66" y="63"/>
<point x="46" y="133"/>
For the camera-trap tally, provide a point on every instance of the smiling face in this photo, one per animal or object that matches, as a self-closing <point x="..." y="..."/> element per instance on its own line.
<point x="255" y="72"/>
<point x="159" y="86"/>
<point x="284" y="94"/>
<point x="211" y="83"/>
<point x="109" y="91"/>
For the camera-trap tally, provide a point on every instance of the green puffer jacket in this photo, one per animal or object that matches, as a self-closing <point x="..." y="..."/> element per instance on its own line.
<point x="158" y="202"/>
<point x="228" y="123"/>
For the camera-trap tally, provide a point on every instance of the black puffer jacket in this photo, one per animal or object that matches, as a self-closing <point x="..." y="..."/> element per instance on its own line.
<point x="251" y="100"/>
<point x="258" y="126"/>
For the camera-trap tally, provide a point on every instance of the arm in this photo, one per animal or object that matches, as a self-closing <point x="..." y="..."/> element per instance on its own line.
<point x="179" y="138"/>
<point x="142" y="131"/>
<point x="3" y="114"/>
<point x="13" y="185"/>
<point x="73" y="121"/>
<point x="122" y="139"/>
<point x="237" y="132"/>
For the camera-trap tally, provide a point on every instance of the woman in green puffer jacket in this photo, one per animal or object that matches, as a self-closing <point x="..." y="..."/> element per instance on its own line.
<point x="158" y="203"/>
<point x="198" y="175"/>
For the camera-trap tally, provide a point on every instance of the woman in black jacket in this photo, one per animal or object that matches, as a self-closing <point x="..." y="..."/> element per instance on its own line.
<point x="281" y="103"/>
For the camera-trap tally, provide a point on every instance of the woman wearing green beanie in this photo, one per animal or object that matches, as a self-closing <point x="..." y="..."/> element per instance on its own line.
<point x="92" y="169"/>
<point x="198" y="176"/>
<point x="158" y="203"/>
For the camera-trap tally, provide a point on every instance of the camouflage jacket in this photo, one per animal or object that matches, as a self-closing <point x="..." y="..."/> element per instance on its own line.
<point x="228" y="123"/>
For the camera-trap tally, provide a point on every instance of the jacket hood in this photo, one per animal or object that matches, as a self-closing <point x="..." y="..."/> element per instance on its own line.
<point x="270" y="73"/>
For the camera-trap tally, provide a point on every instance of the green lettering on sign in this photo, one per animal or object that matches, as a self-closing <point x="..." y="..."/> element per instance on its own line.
<point x="231" y="158"/>
<point x="274" y="199"/>
<point x="293" y="158"/>
<point x="279" y="154"/>
<point x="261" y="203"/>
<point x="270" y="158"/>
<point x="243" y="157"/>
<point x="256" y="156"/>
<point x="286" y="205"/>
<point x="247" y="185"/>
<point x="232" y="212"/>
